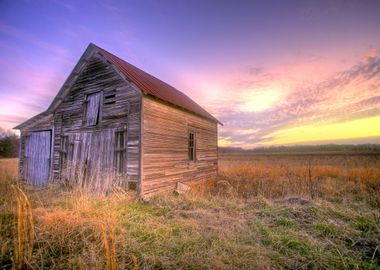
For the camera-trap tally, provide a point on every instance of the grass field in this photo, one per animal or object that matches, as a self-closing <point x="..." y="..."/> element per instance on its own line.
<point x="265" y="212"/>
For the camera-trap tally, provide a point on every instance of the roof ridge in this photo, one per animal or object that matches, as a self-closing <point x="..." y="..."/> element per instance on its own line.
<point x="121" y="59"/>
<point x="152" y="85"/>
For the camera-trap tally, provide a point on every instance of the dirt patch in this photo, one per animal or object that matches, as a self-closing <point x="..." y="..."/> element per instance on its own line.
<point x="296" y="201"/>
<point x="369" y="249"/>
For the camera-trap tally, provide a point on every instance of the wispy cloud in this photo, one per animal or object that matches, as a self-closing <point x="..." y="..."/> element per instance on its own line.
<point x="349" y="95"/>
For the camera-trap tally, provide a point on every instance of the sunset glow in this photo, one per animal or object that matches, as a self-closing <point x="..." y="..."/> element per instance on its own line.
<point x="260" y="100"/>
<point x="273" y="73"/>
<point x="361" y="128"/>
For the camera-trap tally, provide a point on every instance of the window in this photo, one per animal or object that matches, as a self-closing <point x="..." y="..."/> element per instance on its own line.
<point x="92" y="109"/>
<point x="64" y="150"/>
<point x="120" y="149"/>
<point x="192" y="147"/>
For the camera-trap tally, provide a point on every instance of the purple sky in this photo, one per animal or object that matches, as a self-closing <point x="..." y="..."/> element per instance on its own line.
<point x="270" y="71"/>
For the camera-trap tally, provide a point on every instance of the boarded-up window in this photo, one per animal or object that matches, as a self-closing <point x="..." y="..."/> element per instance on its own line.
<point x="110" y="98"/>
<point x="92" y="109"/>
<point x="120" y="150"/>
<point x="191" y="146"/>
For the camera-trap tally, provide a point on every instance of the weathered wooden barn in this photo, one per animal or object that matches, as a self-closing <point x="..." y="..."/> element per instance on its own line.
<point x="112" y="124"/>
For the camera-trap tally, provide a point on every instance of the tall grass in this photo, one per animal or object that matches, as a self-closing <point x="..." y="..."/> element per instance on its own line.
<point x="25" y="230"/>
<point x="109" y="249"/>
<point x="58" y="228"/>
<point x="304" y="178"/>
<point x="208" y="228"/>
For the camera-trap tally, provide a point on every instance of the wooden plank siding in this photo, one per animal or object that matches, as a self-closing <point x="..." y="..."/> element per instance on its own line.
<point x="119" y="110"/>
<point x="165" y="159"/>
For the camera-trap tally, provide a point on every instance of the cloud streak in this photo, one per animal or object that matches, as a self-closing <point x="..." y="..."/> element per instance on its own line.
<point x="349" y="95"/>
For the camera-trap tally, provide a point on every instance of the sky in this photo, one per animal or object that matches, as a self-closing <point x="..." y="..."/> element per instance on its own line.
<point x="273" y="72"/>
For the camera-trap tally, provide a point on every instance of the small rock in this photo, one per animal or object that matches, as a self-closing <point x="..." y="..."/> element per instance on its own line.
<point x="182" y="188"/>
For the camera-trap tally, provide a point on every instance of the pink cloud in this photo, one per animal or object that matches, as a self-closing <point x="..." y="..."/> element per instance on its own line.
<point x="371" y="54"/>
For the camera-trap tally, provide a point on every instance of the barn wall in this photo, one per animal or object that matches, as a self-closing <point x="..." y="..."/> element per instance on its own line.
<point x="165" y="147"/>
<point x="118" y="112"/>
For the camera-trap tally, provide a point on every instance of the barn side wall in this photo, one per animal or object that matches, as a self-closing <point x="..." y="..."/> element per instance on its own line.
<point x="124" y="112"/>
<point x="165" y="147"/>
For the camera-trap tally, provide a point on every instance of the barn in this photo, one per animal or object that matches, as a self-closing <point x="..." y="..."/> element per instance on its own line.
<point x="113" y="125"/>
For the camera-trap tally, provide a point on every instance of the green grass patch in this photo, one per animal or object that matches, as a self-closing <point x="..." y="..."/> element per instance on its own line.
<point x="285" y="222"/>
<point x="365" y="224"/>
<point x="147" y="209"/>
<point x="295" y="244"/>
<point x="328" y="230"/>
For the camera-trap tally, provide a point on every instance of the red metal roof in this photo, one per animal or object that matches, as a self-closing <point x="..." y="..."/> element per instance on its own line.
<point x="152" y="86"/>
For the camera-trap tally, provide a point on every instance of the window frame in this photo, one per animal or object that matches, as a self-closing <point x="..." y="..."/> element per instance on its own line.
<point x="63" y="151"/>
<point x="120" y="151"/>
<point x="192" y="146"/>
<point x="85" y="105"/>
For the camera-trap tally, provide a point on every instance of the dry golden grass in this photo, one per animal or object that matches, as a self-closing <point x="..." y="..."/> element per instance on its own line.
<point x="109" y="249"/>
<point x="25" y="229"/>
<point x="263" y="213"/>
<point x="305" y="176"/>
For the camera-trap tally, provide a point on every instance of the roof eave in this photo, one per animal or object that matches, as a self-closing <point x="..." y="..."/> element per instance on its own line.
<point x="212" y="118"/>
<point x="35" y="119"/>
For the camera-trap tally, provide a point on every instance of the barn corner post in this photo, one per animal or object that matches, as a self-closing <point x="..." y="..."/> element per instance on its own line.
<point x="20" y="167"/>
<point x="141" y="149"/>
<point x="217" y="156"/>
<point x="51" y="174"/>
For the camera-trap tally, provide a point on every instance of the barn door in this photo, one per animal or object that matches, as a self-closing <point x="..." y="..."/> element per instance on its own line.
<point x="92" y="158"/>
<point x="37" y="158"/>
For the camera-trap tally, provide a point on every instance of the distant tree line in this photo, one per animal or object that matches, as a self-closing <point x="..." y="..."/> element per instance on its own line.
<point x="9" y="144"/>
<point x="368" y="148"/>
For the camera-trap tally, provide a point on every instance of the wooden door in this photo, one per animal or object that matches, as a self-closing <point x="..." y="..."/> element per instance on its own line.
<point x="37" y="158"/>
